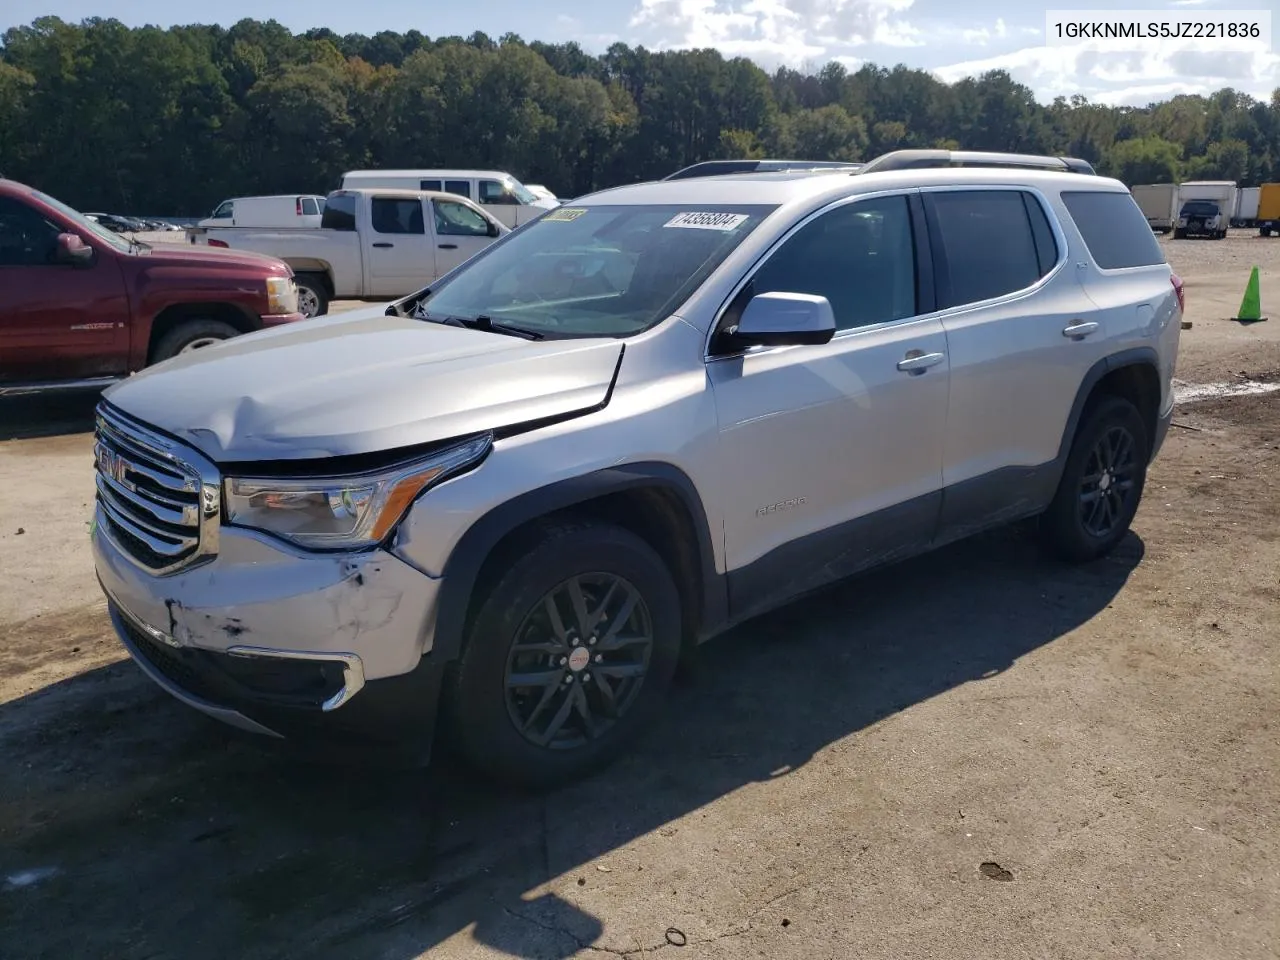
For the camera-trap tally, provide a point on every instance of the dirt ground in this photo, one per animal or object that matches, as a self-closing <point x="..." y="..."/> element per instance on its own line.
<point x="976" y="754"/>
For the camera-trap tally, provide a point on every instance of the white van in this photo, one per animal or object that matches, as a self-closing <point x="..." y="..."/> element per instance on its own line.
<point x="538" y="190"/>
<point x="286" y="210"/>
<point x="505" y="197"/>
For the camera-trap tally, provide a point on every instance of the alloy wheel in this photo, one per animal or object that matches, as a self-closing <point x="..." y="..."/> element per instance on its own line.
<point x="1109" y="481"/>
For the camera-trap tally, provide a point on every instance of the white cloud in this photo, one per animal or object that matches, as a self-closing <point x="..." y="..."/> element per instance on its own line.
<point x="788" y="31"/>
<point x="982" y="36"/>
<point x="1127" y="76"/>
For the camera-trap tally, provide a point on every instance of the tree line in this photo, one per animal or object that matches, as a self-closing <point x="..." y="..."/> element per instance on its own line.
<point x="172" y="121"/>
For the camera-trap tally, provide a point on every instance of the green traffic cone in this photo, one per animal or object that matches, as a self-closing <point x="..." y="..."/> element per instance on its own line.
<point x="1251" y="305"/>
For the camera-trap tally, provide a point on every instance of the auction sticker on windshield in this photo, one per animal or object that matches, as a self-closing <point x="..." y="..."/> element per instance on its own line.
<point x="707" y="221"/>
<point x="565" y="213"/>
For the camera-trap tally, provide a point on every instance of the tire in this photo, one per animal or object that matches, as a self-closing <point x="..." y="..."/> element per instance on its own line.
<point x="1179" y="234"/>
<point x="482" y="710"/>
<point x="313" y="294"/>
<point x="191" y="335"/>
<point x="1065" y="526"/>
<point x="1264" y="231"/>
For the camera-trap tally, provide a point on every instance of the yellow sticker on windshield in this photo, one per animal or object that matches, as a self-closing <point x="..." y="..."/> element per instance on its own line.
<point x="565" y="213"/>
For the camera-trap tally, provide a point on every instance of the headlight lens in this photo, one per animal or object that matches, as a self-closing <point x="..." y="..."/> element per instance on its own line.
<point x="342" y="512"/>
<point x="282" y="295"/>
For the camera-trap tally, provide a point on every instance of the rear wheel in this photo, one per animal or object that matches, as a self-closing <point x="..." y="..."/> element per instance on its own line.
<point x="568" y="657"/>
<point x="192" y="335"/>
<point x="1179" y="234"/>
<point x="1264" y="231"/>
<point x="313" y="294"/>
<point x="1101" y="485"/>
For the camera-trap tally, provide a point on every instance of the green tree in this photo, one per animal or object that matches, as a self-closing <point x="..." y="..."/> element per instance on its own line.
<point x="1149" y="160"/>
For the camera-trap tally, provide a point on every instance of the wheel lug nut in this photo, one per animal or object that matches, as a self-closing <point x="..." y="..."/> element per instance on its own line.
<point x="586" y="677"/>
<point x="591" y="642"/>
<point x="563" y="661"/>
<point x="599" y="657"/>
<point x="569" y="678"/>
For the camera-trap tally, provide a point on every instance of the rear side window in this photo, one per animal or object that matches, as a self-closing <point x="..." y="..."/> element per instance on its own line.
<point x="339" y="212"/>
<point x="461" y="187"/>
<point x="429" y="185"/>
<point x="1046" y="244"/>
<point x="989" y="244"/>
<point x="1114" y="229"/>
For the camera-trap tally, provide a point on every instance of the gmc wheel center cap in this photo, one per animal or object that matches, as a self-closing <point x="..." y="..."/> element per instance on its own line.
<point x="579" y="658"/>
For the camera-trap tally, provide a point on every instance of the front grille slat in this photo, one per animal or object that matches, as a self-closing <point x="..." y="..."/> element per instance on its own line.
<point x="155" y="497"/>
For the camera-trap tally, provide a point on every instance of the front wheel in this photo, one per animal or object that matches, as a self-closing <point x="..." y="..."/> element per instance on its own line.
<point x="1101" y="483"/>
<point x="1179" y="234"/>
<point x="192" y="335"/>
<point x="567" y="658"/>
<point x="313" y="295"/>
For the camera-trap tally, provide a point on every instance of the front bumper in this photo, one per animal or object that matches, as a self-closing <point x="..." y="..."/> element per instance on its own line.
<point x="280" y="642"/>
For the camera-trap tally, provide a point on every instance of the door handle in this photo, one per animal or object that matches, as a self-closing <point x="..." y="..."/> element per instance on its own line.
<point x="384" y="246"/>
<point x="916" y="361"/>
<point x="447" y="246"/>
<point x="1080" y="329"/>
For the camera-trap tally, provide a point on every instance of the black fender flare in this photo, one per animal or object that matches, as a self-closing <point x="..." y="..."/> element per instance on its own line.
<point x="1134" y="357"/>
<point x="458" y="579"/>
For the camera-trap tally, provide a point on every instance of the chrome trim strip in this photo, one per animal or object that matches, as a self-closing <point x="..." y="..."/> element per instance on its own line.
<point x="352" y="669"/>
<point x="144" y="534"/>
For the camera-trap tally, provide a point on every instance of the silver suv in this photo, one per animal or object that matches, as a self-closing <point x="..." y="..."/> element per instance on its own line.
<point x="515" y="498"/>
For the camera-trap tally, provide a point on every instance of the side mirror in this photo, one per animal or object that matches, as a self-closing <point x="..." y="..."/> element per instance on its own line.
<point x="493" y="228"/>
<point x="784" y="319"/>
<point x="71" y="249"/>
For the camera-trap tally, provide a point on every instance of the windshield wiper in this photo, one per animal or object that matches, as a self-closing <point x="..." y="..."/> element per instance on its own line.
<point x="489" y="325"/>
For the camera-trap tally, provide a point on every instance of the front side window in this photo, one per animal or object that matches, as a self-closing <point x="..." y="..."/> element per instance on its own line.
<point x="397" y="215"/>
<point x="84" y="223"/>
<point x="458" y="220"/>
<point x="600" y="271"/>
<point x="860" y="256"/>
<point x="224" y="210"/>
<point x="492" y="191"/>
<point x="26" y="238"/>
<point x="988" y="243"/>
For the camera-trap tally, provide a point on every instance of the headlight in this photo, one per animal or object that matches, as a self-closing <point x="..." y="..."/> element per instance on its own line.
<point x="282" y="295"/>
<point x="342" y="512"/>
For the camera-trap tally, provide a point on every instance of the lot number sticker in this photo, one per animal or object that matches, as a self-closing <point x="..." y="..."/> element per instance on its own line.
<point x="707" y="221"/>
<point x="563" y="214"/>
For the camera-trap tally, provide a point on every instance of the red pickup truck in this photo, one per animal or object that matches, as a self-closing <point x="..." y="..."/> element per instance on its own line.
<point x="81" y="306"/>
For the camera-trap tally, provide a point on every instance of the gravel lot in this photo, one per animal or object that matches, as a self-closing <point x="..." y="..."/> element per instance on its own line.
<point x="976" y="754"/>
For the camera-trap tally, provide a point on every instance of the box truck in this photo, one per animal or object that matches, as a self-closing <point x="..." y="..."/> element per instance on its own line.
<point x="1269" y="209"/>
<point x="1158" y="203"/>
<point x="1246" y="214"/>
<point x="1205" y="208"/>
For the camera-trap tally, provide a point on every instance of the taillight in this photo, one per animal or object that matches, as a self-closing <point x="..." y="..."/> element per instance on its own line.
<point x="1177" y="289"/>
<point x="219" y="243"/>
<point x="297" y="205"/>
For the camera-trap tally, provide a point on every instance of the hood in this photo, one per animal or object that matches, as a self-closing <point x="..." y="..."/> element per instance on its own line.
<point x="362" y="382"/>
<point x="546" y="203"/>
<point x="179" y="254"/>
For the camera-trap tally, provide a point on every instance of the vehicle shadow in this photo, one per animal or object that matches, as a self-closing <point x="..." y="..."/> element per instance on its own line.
<point x="32" y="416"/>
<point x="162" y="835"/>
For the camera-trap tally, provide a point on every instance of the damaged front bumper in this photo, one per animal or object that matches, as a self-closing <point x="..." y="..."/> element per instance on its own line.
<point x="280" y="642"/>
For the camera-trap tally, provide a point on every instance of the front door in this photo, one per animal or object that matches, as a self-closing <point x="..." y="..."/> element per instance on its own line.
<point x="400" y="250"/>
<point x="57" y="321"/>
<point x="461" y="233"/>
<point x="831" y="456"/>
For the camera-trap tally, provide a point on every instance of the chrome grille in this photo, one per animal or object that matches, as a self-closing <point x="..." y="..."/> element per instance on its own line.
<point x="157" y="500"/>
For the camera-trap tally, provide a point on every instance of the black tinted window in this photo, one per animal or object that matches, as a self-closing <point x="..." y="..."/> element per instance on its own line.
<point x="461" y="187"/>
<point x="26" y="238"/>
<point x="861" y="257"/>
<point x="428" y="184"/>
<point x="1114" y="229"/>
<point x="396" y="215"/>
<point x="1046" y="244"/>
<point x="990" y="249"/>
<point x="339" y="212"/>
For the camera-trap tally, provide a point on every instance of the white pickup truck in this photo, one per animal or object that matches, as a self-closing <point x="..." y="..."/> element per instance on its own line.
<point x="371" y="244"/>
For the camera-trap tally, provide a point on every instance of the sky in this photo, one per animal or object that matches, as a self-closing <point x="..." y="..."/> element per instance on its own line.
<point x="952" y="38"/>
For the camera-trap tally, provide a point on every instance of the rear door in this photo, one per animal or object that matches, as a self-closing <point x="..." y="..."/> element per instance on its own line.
<point x="1009" y="296"/>
<point x="400" y="250"/>
<point x="57" y="321"/>
<point x="460" y="233"/>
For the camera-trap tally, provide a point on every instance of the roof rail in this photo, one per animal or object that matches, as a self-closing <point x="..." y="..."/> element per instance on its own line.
<point x="719" y="168"/>
<point x="919" y="159"/>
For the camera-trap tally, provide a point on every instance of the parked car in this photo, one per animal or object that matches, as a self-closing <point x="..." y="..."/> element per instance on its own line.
<point x="514" y="498"/>
<point x="112" y="223"/>
<point x="719" y="168"/>
<point x="500" y="194"/>
<point x="81" y="306"/>
<point x="292" y="210"/>
<point x="1201" y="218"/>
<point x="375" y="244"/>
<point x="538" y="190"/>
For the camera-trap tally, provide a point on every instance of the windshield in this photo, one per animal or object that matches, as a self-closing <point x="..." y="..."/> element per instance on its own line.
<point x="80" y="220"/>
<point x="520" y="191"/>
<point x="1199" y="208"/>
<point x="600" y="271"/>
